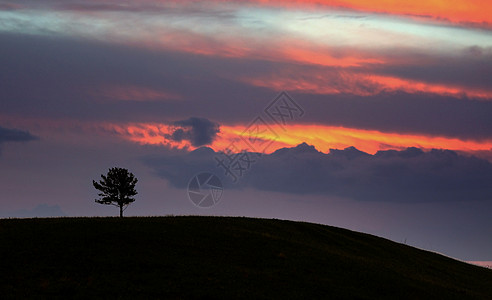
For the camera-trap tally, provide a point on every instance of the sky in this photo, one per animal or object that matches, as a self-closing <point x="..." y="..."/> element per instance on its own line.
<point x="369" y="115"/>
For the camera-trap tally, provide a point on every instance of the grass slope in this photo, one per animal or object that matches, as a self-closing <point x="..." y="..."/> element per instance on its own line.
<point x="221" y="257"/>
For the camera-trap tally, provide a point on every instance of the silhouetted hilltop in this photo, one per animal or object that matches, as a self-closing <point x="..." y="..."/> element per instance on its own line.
<point x="221" y="257"/>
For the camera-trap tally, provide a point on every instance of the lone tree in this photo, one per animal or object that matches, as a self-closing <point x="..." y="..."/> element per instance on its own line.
<point x="117" y="188"/>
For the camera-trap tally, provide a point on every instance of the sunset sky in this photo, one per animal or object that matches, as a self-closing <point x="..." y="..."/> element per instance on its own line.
<point x="389" y="129"/>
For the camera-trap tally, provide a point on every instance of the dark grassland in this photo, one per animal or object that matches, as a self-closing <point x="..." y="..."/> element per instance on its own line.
<point x="220" y="257"/>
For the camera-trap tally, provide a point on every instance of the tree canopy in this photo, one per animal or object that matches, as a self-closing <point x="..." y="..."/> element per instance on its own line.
<point x="116" y="188"/>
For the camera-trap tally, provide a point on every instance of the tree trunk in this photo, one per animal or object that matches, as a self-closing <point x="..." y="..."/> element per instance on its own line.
<point x="121" y="211"/>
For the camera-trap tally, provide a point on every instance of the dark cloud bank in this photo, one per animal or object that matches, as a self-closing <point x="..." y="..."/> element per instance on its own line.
<point x="15" y="135"/>
<point x="198" y="131"/>
<point x="409" y="175"/>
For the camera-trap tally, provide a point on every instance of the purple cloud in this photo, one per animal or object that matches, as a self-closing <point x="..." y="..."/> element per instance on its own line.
<point x="409" y="175"/>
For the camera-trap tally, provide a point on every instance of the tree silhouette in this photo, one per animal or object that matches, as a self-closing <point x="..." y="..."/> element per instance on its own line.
<point x="117" y="188"/>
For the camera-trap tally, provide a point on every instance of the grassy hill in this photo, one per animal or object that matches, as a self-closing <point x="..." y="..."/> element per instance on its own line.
<point x="221" y="257"/>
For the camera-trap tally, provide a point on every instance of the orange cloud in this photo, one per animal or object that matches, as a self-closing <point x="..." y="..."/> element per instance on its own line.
<point x="146" y="134"/>
<point x="325" y="138"/>
<point x="413" y="86"/>
<point x="322" y="137"/>
<point x="322" y="56"/>
<point x="345" y="82"/>
<point x="459" y="11"/>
